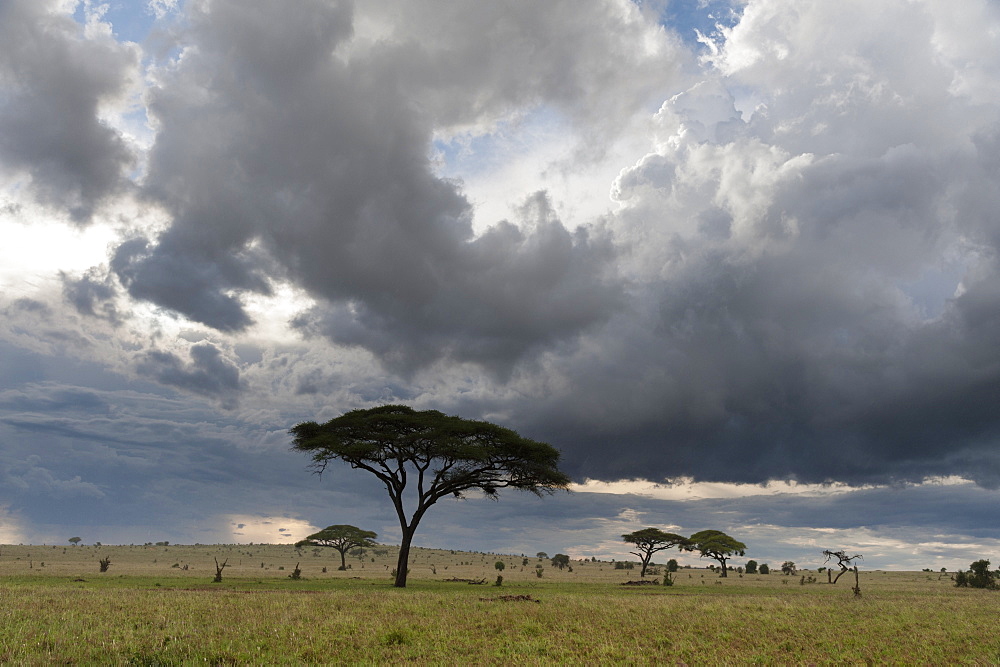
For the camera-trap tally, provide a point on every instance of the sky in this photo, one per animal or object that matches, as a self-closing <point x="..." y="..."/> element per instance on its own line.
<point x="737" y="260"/>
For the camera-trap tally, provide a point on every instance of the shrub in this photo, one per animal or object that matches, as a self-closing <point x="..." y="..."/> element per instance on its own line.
<point x="751" y="567"/>
<point x="978" y="576"/>
<point x="764" y="569"/>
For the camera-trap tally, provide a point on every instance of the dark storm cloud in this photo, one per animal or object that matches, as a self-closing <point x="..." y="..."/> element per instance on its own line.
<point x="278" y="159"/>
<point x="781" y="324"/>
<point x="55" y="80"/>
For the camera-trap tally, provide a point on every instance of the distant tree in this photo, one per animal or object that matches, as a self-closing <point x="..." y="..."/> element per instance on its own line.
<point x="560" y="560"/>
<point x="218" y="569"/>
<point x="843" y="560"/>
<point x="541" y="555"/>
<point x="445" y="456"/>
<point x="75" y="540"/>
<point x="649" y="541"/>
<point x="341" y="537"/>
<point x="500" y="565"/>
<point x="978" y="576"/>
<point x="716" y="545"/>
<point x="764" y="569"/>
<point x="751" y="567"/>
<point x="672" y="565"/>
<point x="788" y="567"/>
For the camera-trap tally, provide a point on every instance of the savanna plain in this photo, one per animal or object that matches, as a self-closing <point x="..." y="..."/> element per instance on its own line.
<point x="159" y="605"/>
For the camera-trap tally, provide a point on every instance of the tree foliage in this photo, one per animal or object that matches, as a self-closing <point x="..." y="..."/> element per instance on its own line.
<point x="978" y="576"/>
<point x="341" y="537"/>
<point x="649" y="541"/>
<point x="560" y="561"/>
<point x="788" y="567"/>
<point x="715" y="544"/>
<point x="751" y="567"/>
<point x="422" y="457"/>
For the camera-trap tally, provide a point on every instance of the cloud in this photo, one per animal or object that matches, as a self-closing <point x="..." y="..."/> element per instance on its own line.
<point x="57" y="77"/>
<point x="208" y="373"/>
<point x="337" y="194"/>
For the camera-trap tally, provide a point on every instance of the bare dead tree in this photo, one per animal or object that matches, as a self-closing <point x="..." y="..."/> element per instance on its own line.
<point x="843" y="560"/>
<point x="219" y="569"/>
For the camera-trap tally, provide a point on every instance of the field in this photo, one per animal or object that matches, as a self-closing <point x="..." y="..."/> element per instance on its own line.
<point x="148" y="609"/>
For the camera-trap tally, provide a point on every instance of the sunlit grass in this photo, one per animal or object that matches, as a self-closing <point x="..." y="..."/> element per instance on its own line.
<point x="152" y="613"/>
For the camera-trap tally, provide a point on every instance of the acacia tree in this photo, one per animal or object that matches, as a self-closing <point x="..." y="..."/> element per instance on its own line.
<point x="561" y="561"/>
<point x="843" y="560"/>
<point x="648" y="541"/>
<point x="716" y="545"/>
<point x="343" y="538"/>
<point x="441" y="455"/>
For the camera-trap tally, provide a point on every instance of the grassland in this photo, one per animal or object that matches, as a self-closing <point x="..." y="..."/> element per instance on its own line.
<point x="149" y="610"/>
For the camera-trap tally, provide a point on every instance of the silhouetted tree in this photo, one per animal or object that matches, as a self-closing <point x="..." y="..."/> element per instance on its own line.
<point x="843" y="560"/>
<point x="341" y="537"/>
<point x="788" y="567"/>
<point x="649" y="541"/>
<point x="716" y="545"/>
<point x="444" y="456"/>
<point x="751" y="567"/>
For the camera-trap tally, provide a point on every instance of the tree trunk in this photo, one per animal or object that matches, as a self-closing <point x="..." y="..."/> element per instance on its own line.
<point x="343" y="559"/>
<point x="724" y="574"/>
<point x="402" y="564"/>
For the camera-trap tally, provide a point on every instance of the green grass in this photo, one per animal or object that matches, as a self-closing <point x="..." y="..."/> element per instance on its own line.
<point x="149" y="613"/>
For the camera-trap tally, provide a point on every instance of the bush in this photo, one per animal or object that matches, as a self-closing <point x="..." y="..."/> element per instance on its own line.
<point x="764" y="569"/>
<point x="672" y="565"/>
<point x="751" y="567"/>
<point x="978" y="576"/>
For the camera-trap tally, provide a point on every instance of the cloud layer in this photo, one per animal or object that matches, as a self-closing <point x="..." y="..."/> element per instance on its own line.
<point x="793" y="275"/>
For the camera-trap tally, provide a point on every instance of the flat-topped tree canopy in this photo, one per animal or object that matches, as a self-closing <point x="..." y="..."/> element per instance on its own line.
<point x="715" y="544"/>
<point x="341" y="537"/>
<point x="648" y="541"/>
<point x="439" y="455"/>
